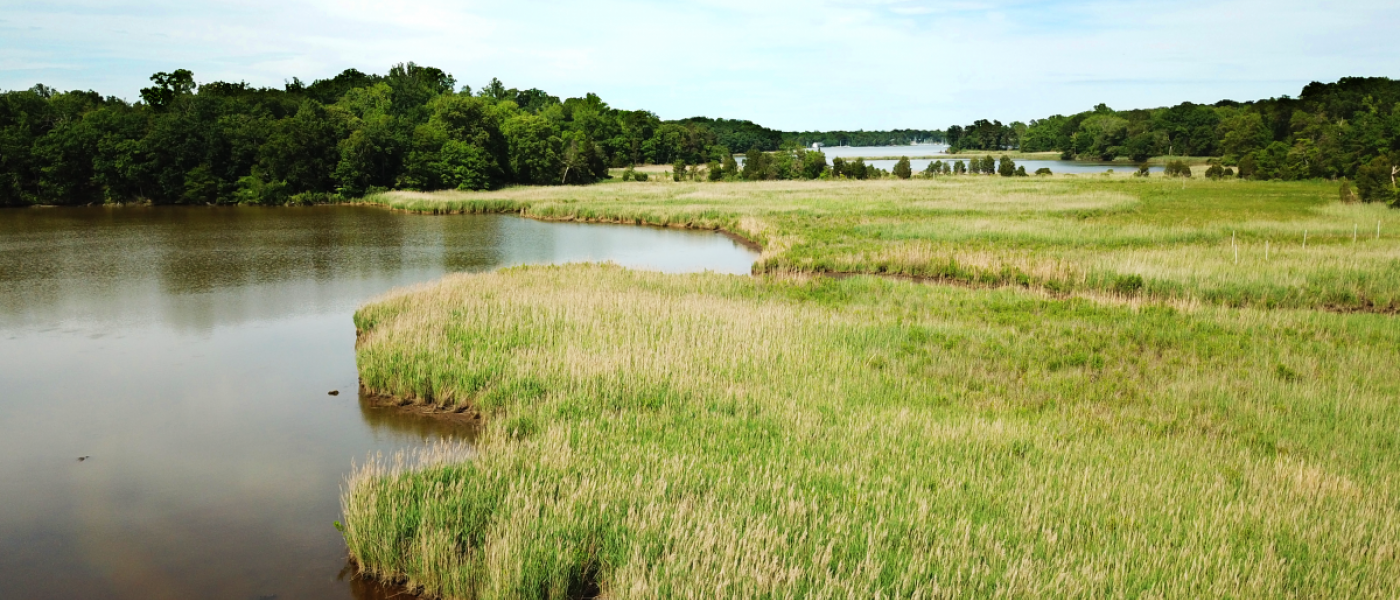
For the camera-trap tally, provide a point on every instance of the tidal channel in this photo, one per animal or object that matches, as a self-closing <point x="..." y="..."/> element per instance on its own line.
<point x="186" y="355"/>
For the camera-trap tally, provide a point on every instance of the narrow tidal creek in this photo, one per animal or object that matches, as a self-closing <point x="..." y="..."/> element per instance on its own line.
<point x="186" y="355"/>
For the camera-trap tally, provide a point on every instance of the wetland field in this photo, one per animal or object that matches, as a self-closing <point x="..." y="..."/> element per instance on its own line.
<point x="970" y="386"/>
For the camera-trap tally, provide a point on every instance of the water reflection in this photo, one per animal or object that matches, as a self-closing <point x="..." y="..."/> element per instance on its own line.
<point x="409" y="422"/>
<point x="189" y="352"/>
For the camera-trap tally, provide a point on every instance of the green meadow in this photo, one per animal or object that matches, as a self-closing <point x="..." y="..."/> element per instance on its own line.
<point x="1064" y="387"/>
<point x="1230" y="243"/>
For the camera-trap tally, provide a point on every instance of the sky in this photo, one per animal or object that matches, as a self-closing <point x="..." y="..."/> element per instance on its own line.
<point x="787" y="64"/>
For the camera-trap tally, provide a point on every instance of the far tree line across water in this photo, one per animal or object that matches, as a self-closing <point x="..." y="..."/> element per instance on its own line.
<point x="413" y="128"/>
<point x="355" y="133"/>
<point x="1348" y="129"/>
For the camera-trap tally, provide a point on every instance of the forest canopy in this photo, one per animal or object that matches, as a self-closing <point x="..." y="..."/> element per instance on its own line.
<point x="1350" y="128"/>
<point x="413" y="128"/>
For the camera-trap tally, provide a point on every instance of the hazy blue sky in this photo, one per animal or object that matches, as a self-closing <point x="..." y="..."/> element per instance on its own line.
<point x="787" y="64"/>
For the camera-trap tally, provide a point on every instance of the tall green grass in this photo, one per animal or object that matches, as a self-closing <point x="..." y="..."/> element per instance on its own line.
<point x="1176" y="241"/>
<point x="709" y="436"/>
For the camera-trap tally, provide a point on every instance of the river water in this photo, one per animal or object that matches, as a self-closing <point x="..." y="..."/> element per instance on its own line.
<point x="189" y="352"/>
<point x="937" y="152"/>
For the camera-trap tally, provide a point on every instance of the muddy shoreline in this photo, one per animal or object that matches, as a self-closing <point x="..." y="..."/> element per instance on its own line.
<point x="466" y="415"/>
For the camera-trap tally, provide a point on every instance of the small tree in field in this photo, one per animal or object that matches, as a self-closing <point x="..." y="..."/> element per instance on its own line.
<point x="989" y="165"/>
<point x="1007" y="168"/>
<point x="1177" y="168"/>
<point x="1347" y="195"/>
<point x="959" y="168"/>
<point x="731" y="167"/>
<point x="678" y="171"/>
<point x="857" y="169"/>
<point x="902" y="169"/>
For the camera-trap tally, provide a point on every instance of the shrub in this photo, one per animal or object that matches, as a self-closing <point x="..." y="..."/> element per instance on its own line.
<point x="642" y="177"/>
<point x="1021" y="171"/>
<point x="1043" y="171"/>
<point x="629" y="174"/>
<point x="1177" y="168"/>
<point x="902" y="169"/>
<point x="1373" y="181"/>
<point x="1347" y="195"/>
<point x="1143" y="170"/>
<point x="1128" y="284"/>
<point x="1007" y="168"/>
<point x="1248" y="166"/>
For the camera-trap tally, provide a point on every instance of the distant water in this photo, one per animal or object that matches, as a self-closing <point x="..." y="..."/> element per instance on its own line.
<point x="882" y="151"/>
<point x="938" y="151"/>
<point x="1071" y="167"/>
<point x="189" y="351"/>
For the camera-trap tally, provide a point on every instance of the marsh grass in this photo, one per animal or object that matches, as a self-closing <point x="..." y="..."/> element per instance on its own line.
<point x="706" y="436"/>
<point x="1068" y="236"/>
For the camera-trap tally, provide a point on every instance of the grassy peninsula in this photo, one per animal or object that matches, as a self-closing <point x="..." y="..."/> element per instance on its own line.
<point x="1230" y="243"/>
<point x="1108" y="406"/>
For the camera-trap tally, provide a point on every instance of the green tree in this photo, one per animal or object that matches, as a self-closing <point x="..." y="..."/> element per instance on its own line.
<point x="902" y="169"/>
<point x="838" y="167"/>
<point x="1007" y="168"/>
<point x="1242" y="132"/>
<point x="1375" y="181"/>
<point x="813" y="164"/>
<point x="1271" y="162"/>
<point x="857" y="169"/>
<point x="303" y="151"/>
<point x="755" y="164"/>
<point x="534" y="147"/>
<point x="168" y="87"/>
<point x="1346" y="194"/>
<point x="731" y="166"/>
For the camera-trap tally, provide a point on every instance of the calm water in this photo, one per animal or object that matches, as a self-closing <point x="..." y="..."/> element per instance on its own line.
<point x="879" y="151"/>
<point x="189" y="352"/>
<point x="1071" y="167"/>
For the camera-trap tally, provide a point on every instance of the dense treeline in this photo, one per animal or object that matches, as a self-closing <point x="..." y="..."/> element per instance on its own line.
<point x="342" y="137"/>
<point x="895" y="137"/>
<point x="1348" y="129"/>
